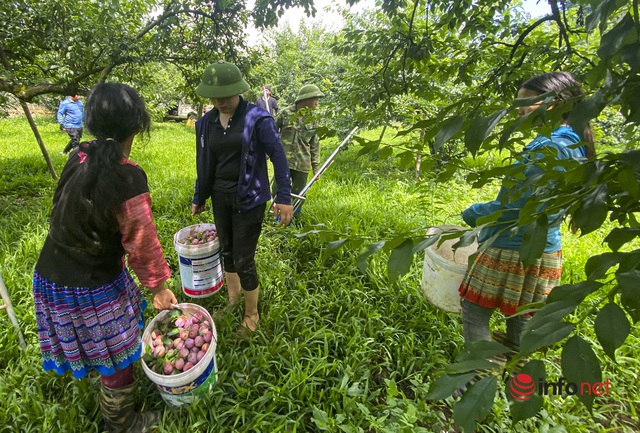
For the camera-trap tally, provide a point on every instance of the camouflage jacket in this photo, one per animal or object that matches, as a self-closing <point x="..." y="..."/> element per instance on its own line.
<point x="301" y="143"/>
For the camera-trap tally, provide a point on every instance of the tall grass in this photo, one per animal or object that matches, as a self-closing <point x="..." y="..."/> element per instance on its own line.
<point x="336" y="351"/>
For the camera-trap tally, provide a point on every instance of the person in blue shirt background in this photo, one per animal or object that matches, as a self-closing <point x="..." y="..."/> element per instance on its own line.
<point x="70" y="117"/>
<point x="497" y="278"/>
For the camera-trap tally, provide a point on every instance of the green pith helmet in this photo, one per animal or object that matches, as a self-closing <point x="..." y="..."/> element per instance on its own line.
<point x="221" y="80"/>
<point x="308" y="91"/>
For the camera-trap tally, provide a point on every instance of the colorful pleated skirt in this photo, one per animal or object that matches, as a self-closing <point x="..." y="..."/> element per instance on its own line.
<point x="497" y="279"/>
<point x="84" y="328"/>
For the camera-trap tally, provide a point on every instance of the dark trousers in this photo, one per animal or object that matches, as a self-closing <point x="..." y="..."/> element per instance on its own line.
<point x="75" y="134"/>
<point x="238" y="233"/>
<point x="298" y="182"/>
<point x="475" y="323"/>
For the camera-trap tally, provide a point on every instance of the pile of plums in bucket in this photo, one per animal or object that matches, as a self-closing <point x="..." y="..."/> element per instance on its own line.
<point x="178" y="344"/>
<point x="199" y="237"/>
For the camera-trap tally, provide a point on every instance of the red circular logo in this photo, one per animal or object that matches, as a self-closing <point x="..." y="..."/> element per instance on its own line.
<point x="522" y="387"/>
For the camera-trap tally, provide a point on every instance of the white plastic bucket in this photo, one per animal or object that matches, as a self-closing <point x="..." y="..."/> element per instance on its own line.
<point x="200" y="266"/>
<point x="189" y="386"/>
<point x="444" y="269"/>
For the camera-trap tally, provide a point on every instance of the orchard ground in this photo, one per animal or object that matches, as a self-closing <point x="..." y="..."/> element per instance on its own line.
<point x="338" y="350"/>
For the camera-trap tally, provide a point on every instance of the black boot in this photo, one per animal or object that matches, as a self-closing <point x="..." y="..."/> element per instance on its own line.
<point x="118" y="412"/>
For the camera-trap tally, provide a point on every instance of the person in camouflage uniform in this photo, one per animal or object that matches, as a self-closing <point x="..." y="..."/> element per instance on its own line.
<point x="298" y="135"/>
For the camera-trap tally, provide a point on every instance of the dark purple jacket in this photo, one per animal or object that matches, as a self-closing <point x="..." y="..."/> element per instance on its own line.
<point x="261" y="139"/>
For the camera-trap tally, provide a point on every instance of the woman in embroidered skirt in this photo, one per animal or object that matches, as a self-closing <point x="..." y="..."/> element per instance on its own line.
<point x="497" y="278"/>
<point x="89" y="310"/>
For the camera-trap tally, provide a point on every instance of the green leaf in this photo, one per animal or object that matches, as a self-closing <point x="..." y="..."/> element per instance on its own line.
<point x="366" y="252"/>
<point x="629" y="181"/>
<point x="612" y="41"/>
<point x="445" y="385"/>
<point x="630" y="292"/>
<point x="588" y="109"/>
<point x="479" y="130"/>
<point x="535" y="240"/>
<point x="597" y="266"/>
<point x="612" y="328"/>
<point x="400" y="260"/>
<point x="545" y="335"/>
<point x="523" y="409"/>
<point x="425" y="243"/>
<point x="332" y="248"/>
<point x="385" y="152"/>
<point x="593" y="210"/>
<point x="620" y="236"/>
<point x="580" y="364"/>
<point x="631" y="302"/>
<point x="471" y="365"/>
<point x="449" y="129"/>
<point x="629" y="279"/>
<point x="573" y="293"/>
<point x="480" y="350"/>
<point x="551" y="312"/>
<point x="600" y="15"/>
<point x="475" y="404"/>
<point x="320" y="418"/>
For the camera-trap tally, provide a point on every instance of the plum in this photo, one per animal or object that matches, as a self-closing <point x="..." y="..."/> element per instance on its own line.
<point x="198" y="341"/>
<point x="200" y="355"/>
<point x="205" y="347"/>
<point x="193" y="357"/>
<point x="208" y="336"/>
<point x="189" y="343"/>
<point x="179" y="364"/>
<point x="184" y="352"/>
<point x="159" y="351"/>
<point x="168" y="368"/>
<point x="187" y="366"/>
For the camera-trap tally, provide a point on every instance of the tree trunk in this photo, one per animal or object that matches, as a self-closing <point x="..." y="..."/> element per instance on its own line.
<point x="36" y="133"/>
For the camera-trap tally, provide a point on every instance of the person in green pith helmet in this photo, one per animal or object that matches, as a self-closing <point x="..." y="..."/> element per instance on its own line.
<point x="233" y="141"/>
<point x="298" y="134"/>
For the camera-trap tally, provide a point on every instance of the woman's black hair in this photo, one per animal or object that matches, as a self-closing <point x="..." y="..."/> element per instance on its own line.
<point x="567" y="87"/>
<point x="113" y="113"/>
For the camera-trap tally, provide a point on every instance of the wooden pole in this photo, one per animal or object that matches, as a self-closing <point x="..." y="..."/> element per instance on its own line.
<point x="36" y="133"/>
<point x="7" y="306"/>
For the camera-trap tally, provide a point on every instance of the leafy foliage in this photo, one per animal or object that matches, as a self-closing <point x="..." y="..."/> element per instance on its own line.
<point x="439" y="74"/>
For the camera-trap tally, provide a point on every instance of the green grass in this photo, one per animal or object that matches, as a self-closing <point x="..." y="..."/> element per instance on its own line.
<point x="337" y="350"/>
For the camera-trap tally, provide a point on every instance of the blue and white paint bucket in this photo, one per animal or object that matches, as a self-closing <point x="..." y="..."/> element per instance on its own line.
<point x="200" y="265"/>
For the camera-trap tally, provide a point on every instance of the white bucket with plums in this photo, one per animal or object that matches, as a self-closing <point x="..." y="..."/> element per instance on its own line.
<point x="181" y="387"/>
<point x="199" y="258"/>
